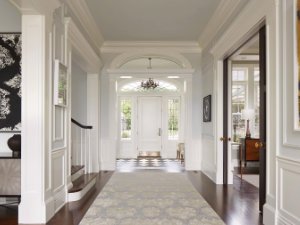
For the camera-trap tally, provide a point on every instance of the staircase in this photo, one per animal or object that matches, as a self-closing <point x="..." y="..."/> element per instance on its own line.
<point x="82" y="178"/>
<point x="82" y="183"/>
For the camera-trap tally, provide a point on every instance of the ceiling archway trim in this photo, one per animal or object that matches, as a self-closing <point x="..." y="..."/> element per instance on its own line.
<point x="179" y="59"/>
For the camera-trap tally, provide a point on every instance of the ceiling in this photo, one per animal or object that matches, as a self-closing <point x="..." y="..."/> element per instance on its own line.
<point x="152" y="20"/>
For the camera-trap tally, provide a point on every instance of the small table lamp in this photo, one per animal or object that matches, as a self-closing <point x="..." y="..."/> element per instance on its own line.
<point x="248" y="114"/>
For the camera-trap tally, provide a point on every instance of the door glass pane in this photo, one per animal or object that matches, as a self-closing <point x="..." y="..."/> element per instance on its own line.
<point x="126" y="106"/>
<point x="238" y="104"/>
<point x="173" y="119"/>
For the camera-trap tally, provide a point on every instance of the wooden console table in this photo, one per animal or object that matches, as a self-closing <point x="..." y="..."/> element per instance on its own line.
<point x="248" y="151"/>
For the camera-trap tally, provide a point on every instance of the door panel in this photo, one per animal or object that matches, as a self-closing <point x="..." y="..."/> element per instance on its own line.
<point x="262" y="117"/>
<point x="149" y="124"/>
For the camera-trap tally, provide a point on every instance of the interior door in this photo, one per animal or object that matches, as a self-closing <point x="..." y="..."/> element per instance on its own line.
<point x="149" y="124"/>
<point x="261" y="144"/>
<point x="262" y="117"/>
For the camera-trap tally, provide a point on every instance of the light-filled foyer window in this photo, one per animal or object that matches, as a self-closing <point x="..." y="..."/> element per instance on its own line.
<point x="173" y="118"/>
<point x="125" y="118"/>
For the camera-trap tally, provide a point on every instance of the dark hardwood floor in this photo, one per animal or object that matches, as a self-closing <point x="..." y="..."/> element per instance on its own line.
<point x="70" y="214"/>
<point x="236" y="204"/>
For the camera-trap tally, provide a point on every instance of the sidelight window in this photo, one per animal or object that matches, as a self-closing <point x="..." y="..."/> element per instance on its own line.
<point x="173" y="119"/>
<point x="125" y="118"/>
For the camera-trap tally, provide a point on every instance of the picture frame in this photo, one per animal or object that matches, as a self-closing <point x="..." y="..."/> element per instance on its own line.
<point x="60" y="84"/>
<point x="207" y="109"/>
<point x="10" y="82"/>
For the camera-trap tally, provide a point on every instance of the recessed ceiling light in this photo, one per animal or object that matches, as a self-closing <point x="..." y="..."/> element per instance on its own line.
<point x="173" y="77"/>
<point x="125" y="77"/>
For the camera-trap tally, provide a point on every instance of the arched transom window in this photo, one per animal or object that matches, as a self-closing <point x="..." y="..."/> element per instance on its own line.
<point x="136" y="87"/>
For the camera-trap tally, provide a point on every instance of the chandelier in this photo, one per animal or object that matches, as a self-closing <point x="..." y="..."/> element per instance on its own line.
<point x="150" y="83"/>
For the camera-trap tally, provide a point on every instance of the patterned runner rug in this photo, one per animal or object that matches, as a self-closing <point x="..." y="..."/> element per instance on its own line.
<point x="150" y="198"/>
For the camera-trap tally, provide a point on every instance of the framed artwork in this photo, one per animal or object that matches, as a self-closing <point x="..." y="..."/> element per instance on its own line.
<point x="60" y="84"/>
<point x="10" y="82"/>
<point x="207" y="108"/>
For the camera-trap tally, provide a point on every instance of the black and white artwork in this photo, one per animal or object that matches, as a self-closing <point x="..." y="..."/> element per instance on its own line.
<point x="207" y="109"/>
<point x="10" y="81"/>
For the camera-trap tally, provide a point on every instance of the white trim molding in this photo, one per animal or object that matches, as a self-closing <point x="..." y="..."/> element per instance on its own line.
<point x="220" y="17"/>
<point x="33" y="208"/>
<point x="153" y="52"/>
<point x="288" y="182"/>
<point x="128" y="46"/>
<point x="82" y="52"/>
<point x="35" y="6"/>
<point x="83" y="14"/>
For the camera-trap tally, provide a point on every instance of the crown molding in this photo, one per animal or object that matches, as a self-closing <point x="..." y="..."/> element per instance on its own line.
<point x="83" y="14"/>
<point x="127" y="46"/>
<point x="82" y="51"/>
<point x="222" y="14"/>
<point x="32" y="7"/>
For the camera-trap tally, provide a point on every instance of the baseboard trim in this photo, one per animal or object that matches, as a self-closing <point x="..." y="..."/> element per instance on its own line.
<point x="269" y="215"/>
<point x="283" y="221"/>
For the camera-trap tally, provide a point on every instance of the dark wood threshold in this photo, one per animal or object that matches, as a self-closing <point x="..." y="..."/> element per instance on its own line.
<point x="75" y="169"/>
<point x="82" y="181"/>
<point x="247" y="170"/>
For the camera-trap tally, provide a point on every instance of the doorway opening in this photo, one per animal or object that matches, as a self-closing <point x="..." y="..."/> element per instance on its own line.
<point x="150" y="120"/>
<point x="245" y="116"/>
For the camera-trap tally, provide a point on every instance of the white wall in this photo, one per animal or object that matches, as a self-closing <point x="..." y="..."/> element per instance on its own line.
<point x="79" y="94"/>
<point x="12" y="18"/>
<point x="209" y="163"/>
<point x="283" y="138"/>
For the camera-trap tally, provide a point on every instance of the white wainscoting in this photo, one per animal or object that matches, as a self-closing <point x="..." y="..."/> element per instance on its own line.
<point x="288" y="179"/>
<point x="192" y="154"/>
<point x="108" y="154"/>
<point x="58" y="179"/>
<point x="170" y="149"/>
<point x="208" y="156"/>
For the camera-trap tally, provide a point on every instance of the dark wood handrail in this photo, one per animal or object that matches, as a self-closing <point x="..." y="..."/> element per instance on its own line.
<point x="80" y="125"/>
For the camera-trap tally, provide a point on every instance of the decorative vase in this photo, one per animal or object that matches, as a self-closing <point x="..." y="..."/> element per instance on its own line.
<point x="14" y="143"/>
<point x="248" y="134"/>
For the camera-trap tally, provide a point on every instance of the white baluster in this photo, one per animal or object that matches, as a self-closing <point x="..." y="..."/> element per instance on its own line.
<point x="81" y="148"/>
<point x="89" y="149"/>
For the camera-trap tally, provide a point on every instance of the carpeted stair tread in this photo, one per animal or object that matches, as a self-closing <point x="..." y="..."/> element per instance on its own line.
<point x="82" y="181"/>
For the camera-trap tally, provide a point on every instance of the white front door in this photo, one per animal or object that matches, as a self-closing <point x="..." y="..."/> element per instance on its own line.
<point x="149" y="124"/>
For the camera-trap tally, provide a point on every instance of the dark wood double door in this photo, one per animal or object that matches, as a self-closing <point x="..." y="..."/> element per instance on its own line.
<point x="262" y="119"/>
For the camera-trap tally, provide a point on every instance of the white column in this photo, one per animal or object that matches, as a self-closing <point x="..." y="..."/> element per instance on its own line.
<point x="93" y="118"/>
<point x="33" y="205"/>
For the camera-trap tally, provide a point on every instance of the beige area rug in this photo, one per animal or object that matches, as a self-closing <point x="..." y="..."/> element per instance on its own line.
<point x="150" y="198"/>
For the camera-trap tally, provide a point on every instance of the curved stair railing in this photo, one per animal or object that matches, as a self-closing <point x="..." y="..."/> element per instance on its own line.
<point x="81" y="145"/>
